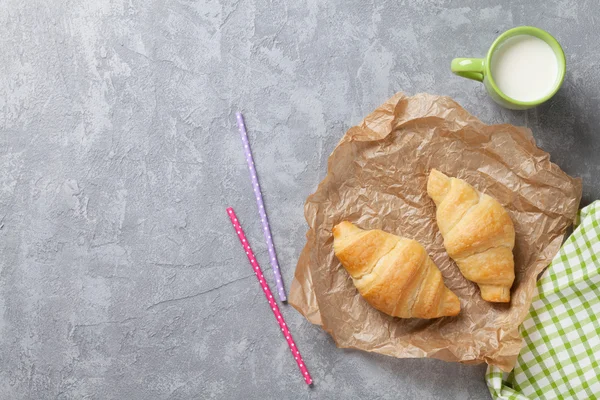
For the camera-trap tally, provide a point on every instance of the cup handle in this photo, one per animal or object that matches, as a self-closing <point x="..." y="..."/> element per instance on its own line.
<point x="471" y="68"/>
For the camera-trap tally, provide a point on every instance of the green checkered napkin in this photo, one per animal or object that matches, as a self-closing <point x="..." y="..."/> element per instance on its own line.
<point x="561" y="356"/>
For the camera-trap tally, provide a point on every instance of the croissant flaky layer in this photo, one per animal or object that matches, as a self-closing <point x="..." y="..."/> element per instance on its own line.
<point x="395" y="275"/>
<point x="478" y="234"/>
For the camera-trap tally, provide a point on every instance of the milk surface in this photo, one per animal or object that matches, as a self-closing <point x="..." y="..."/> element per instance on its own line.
<point x="525" y="68"/>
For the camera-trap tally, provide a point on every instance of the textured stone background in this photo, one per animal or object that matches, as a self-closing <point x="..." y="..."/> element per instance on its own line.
<point x="120" y="276"/>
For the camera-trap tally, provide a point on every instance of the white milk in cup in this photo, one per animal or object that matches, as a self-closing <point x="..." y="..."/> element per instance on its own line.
<point x="525" y="68"/>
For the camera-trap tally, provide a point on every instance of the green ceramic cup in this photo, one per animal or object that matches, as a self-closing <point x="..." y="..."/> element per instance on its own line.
<point x="479" y="68"/>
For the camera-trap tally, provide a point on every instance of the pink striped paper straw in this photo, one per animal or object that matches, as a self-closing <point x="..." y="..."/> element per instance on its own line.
<point x="261" y="208"/>
<point x="269" y="295"/>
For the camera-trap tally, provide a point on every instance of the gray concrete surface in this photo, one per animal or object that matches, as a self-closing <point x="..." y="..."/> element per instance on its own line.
<point x="120" y="276"/>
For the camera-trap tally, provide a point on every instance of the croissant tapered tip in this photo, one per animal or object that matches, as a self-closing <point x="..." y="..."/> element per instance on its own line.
<point x="495" y="294"/>
<point x="437" y="174"/>
<point x="344" y="228"/>
<point x="451" y="304"/>
<point x="438" y="185"/>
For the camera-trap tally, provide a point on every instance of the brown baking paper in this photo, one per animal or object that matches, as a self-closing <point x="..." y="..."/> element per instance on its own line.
<point x="377" y="178"/>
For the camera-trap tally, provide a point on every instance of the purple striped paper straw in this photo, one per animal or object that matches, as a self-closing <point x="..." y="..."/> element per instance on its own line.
<point x="261" y="208"/>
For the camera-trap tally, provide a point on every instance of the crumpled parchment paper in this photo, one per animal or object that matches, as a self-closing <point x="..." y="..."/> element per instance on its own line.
<point x="377" y="178"/>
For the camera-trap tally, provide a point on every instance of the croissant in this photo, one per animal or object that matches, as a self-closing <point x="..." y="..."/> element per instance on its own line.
<point x="393" y="274"/>
<point x="478" y="234"/>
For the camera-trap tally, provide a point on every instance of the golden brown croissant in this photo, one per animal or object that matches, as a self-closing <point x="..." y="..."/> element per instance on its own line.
<point x="395" y="275"/>
<point x="478" y="234"/>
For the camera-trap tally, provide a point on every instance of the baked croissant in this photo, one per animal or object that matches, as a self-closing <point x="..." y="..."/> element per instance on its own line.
<point x="478" y="234"/>
<point x="393" y="274"/>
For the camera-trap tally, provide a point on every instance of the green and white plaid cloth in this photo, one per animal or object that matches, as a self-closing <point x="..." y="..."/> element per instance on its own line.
<point x="561" y="356"/>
